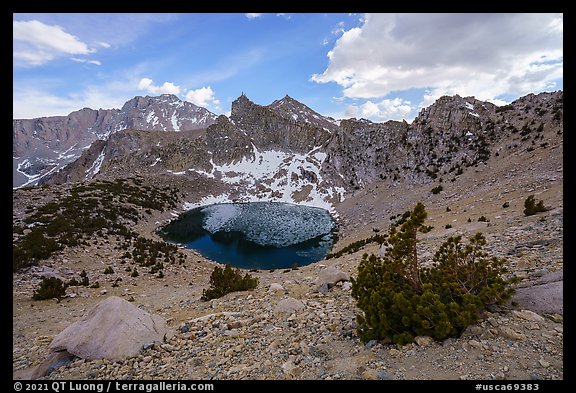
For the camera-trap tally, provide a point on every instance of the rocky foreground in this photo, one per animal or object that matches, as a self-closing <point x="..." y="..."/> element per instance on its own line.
<point x="288" y="329"/>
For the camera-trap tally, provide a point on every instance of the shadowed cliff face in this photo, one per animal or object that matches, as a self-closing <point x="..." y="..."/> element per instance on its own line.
<point x="274" y="130"/>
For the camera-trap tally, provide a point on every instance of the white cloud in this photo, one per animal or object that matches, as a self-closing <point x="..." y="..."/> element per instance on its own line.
<point x="78" y="60"/>
<point x="203" y="96"/>
<point x="485" y="55"/>
<point x="387" y="109"/>
<point x="253" y="16"/>
<point x="31" y="101"/>
<point x="167" y="88"/>
<point x="36" y="43"/>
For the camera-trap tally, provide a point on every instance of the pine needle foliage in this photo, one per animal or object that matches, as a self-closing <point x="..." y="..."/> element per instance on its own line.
<point x="223" y="281"/>
<point x="531" y="207"/>
<point x="49" y="288"/>
<point x="400" y="299"/>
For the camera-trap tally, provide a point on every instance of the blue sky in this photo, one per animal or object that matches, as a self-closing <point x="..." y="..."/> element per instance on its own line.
<point x="376" y="66"/>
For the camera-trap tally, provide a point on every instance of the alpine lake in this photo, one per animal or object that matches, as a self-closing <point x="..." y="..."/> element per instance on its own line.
<point x="255" y="235"/>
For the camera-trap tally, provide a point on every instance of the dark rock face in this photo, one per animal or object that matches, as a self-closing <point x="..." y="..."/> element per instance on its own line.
<point x="227" y="142"/>
<point x="289" y="108"/>
<point x="273" y="131"/>
<point x="44" y="145"/>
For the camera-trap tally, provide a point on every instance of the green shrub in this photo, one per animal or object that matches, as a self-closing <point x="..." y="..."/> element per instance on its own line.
<point x="223" y="281"/>
<point x="504" y="108"/>
<point x="134" y="273"/>
<point x="506" y="205"/>
<point x="50" y="288"/>
<point x="531" y="207"/>
<point x="84" y="282"/>
<point x="437" y="189"/>
<point x="108" y="270"/>
<point x="448" y="226"/>
<point x="401" y="300"/>
<point x="483" y="219"/>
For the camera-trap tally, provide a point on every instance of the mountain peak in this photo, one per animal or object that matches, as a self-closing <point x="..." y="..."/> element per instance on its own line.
<point x="293" y="109"/>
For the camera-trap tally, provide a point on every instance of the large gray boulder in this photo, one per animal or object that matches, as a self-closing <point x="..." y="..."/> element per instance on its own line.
<point x="545" y="295"/>
<point x="328" y="277"/>
<point x="289" y="305"/>
<point x="113" y="329"/>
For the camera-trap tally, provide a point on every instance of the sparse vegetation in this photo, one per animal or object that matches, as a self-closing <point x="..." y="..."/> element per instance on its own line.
<point x="483" y="219"/>
<point x="50" y="288"/>
<point x="531" y="207"/>
<point x="223" y="281"/>
<point x="89" y="211"/>
<point x="401" y="300"/>
<point x="504" y="108"/>
<point x="506" y="205"/>
<point x="437" y="189"/>
<point x="357" y="245"/>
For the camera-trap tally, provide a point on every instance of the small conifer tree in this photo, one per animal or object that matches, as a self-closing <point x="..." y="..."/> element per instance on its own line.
<point x="49" y="288"/>
<point x="223" y="281"/>
<point x="401" y="300"/>
<point x="531" y="207"/>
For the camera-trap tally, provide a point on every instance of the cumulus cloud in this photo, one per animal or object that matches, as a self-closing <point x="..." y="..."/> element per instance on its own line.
<point x="203" y="96"/>
<point x="167" y="88"/>
<point x="387" y="109"/>
<point x="35" y="100"/>
<point x="252" y="15"/>
<point x="485" y="55"/>
<point x="36" y="43"/>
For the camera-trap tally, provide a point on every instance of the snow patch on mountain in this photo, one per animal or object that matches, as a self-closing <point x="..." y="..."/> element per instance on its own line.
<point x="95" y="168"/>
<point x="278" y="176"/>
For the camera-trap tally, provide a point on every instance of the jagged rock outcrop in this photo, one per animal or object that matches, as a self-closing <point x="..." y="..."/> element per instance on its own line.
<point x="273" y="131"/>
<point x="289" y="108"/>
<point x="451" y="135"/>
<point x="228" y="143"/>
<point x="44" y="145"/>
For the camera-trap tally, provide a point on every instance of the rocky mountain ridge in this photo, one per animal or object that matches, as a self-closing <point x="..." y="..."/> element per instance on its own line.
<point x="42" y="146"/>
<point x="263" y="152"/>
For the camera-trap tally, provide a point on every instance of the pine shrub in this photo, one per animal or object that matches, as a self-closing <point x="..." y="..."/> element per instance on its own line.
<point x="437" y="189"/>
<point x="401" y="300"/>
<point x="531" y="207"/>
<point x="49" y="288"/>
<point x="223" y="281"/>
